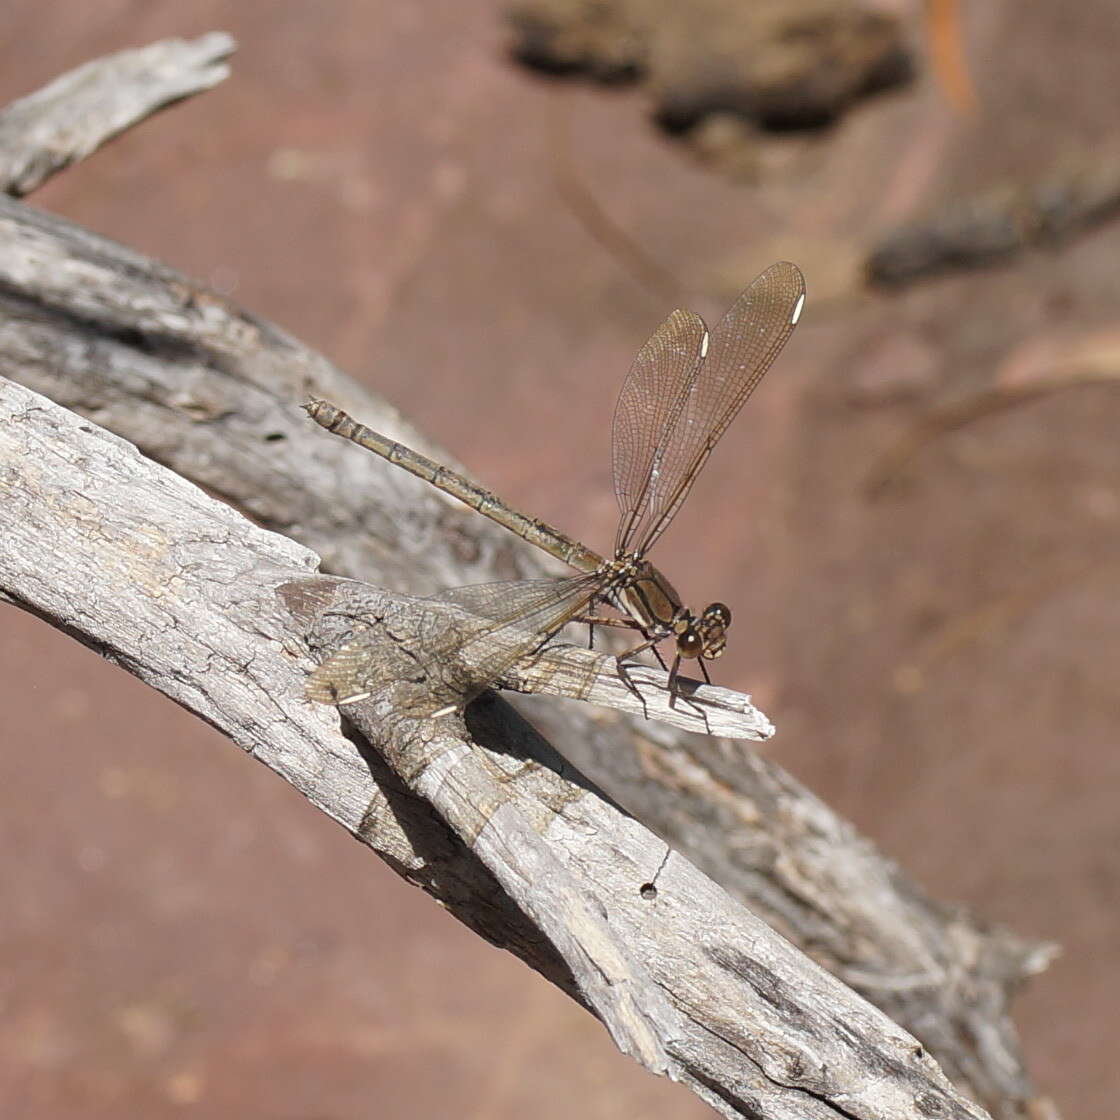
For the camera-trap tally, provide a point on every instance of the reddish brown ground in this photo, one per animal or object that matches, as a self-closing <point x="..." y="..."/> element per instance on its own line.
<point x="180" y="929"/>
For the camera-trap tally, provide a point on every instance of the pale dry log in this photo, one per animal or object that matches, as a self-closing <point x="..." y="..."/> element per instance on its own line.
<point x="81" y="110"/>
<point x="172" y="584"/>
<point x="210" y="390"/>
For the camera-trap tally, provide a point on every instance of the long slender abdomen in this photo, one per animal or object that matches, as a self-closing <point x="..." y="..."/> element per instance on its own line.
<point x="470" y="493"/>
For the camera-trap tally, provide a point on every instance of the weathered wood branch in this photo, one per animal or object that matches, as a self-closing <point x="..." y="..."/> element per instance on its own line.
<point x="78" y="112"/>
<point x="191" y="597"/>
<point x="214" y="392"/>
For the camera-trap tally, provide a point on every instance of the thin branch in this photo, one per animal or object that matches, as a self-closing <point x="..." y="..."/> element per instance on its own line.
<point x="1001" y="220"/>
<point x="890" y="468"/>
<point x="586" y="208"/>
<point x="73" y="116"/>
<point x="691" y="706"/>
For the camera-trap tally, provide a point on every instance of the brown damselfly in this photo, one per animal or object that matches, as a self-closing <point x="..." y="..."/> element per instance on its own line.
<point x="684" y="388"/>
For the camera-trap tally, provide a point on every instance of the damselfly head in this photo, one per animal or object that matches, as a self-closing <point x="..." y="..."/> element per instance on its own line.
<point x="705" y="636"/>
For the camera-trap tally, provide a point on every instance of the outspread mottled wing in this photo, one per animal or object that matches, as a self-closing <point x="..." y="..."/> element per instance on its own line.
<point x="507" y="620"/>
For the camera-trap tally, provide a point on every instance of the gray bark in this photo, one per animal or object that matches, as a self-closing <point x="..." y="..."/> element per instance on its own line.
<point x="202" y="386"/>
<point x="78" y="112"/>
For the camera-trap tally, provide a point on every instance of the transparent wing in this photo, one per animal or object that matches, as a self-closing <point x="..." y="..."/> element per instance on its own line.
<point x="515" y="616"/>
<point x="682" y="412"/>
<point x="647" y="406"/>
<point x="350" y="673"/>
<point x="510" y="619"/>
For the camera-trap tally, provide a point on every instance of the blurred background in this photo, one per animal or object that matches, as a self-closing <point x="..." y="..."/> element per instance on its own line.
<point x="482" y="216"/>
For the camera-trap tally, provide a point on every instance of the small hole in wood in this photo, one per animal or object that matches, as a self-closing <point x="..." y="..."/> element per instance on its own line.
<point x="274" y="437"/>
<point x="648" y="891"/>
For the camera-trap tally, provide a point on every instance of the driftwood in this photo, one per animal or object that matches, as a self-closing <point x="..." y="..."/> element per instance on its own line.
<point x="74" y="115"/>
<point x="1001" y="221"/>
<point x="215" y="612"/>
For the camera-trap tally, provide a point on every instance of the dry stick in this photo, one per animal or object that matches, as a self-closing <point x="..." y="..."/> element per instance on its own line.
<point x="141" y="565"/>
<point x="888" y="471"/>
<point x="78" y="112"/>
<point x="661" y="284"/>
<point x="214" y="392"/>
